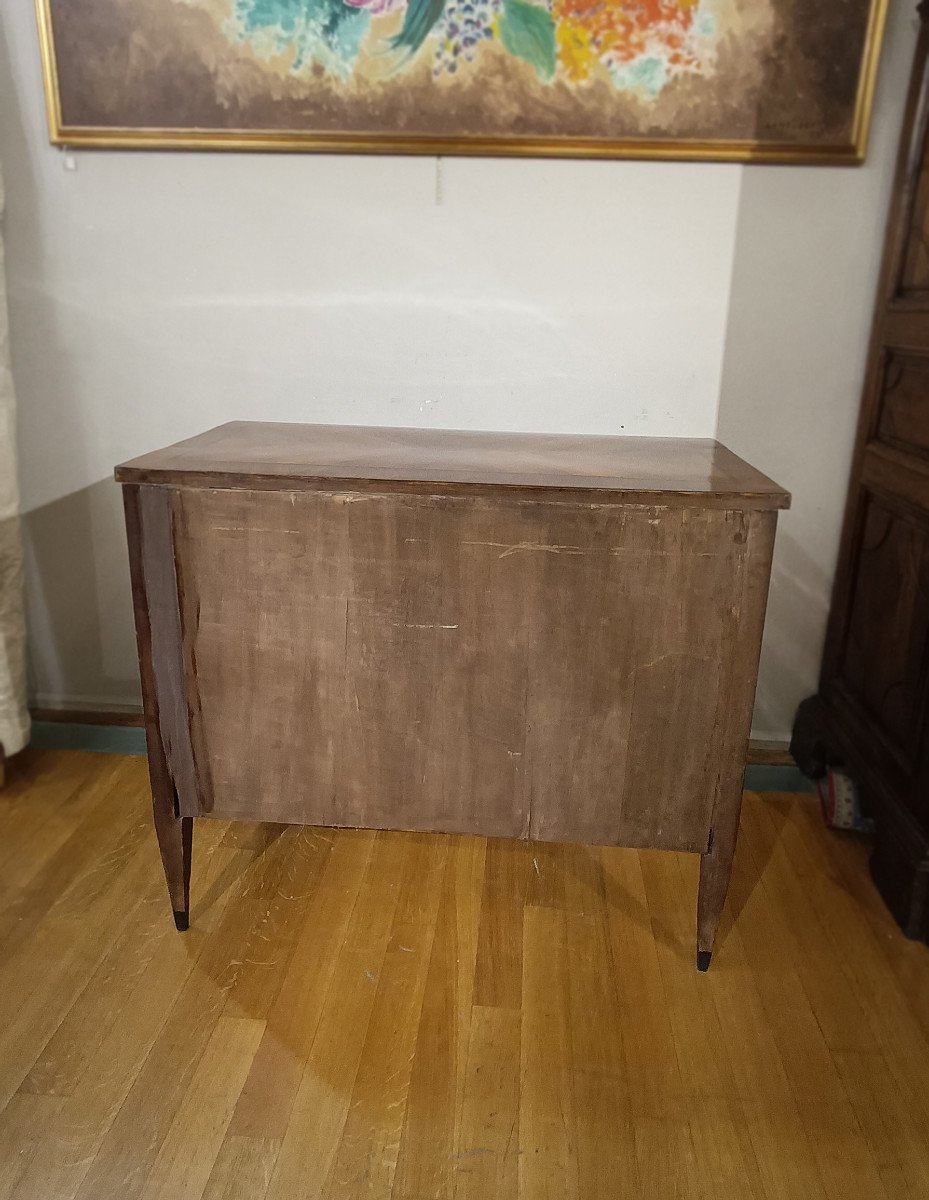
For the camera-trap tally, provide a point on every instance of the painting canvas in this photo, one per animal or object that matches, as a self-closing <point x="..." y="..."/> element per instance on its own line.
<point x="782" y="80"/>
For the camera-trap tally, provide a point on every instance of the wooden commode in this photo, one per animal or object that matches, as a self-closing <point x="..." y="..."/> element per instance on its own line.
<point x="516" y="635"/>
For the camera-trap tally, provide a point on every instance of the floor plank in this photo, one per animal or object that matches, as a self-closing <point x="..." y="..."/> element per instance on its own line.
<point x="409" y="1017"/>
<point x="548" y="1163"/>
<point x="321" y="1107"/>
<point x="487" y="1154"/>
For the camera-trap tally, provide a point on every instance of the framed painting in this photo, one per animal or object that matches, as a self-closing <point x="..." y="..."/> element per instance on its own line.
<point x="773" y="80"/>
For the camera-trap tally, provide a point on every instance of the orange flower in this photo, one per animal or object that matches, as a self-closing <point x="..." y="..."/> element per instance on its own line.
<point x="619" y="31"/>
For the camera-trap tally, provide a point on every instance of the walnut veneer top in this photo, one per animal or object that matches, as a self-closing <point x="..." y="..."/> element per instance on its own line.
<point x="256" y="454"/>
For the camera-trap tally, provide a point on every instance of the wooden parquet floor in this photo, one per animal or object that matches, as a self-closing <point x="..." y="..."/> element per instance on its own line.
<point x="402" y="1017"/>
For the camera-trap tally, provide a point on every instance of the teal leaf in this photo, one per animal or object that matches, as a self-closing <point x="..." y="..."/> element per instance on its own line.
<point x="327" y="32"/>
<point x="528" y="32"/>
<point x="418" y="22"/>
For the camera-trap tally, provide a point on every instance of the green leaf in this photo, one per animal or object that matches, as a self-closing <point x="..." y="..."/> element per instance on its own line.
<point x="418" y="21"/>
<point x="528" y="31"/>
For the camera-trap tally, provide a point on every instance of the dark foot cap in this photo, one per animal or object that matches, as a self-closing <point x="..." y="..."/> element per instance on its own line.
<point x="703" y="959"/>
<point x="181" y="920"/>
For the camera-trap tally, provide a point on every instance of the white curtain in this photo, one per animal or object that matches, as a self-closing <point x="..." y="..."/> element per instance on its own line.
<point x="14" y="716"/>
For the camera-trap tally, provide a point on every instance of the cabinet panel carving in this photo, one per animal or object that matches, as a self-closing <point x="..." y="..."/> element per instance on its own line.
<point x="914" y="266"/>
<point x="904" y="414"/>
<point x="885" y="655"/>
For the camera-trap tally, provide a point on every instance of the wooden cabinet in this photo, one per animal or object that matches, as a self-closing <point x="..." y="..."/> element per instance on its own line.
<point x="522" y="636"/>
<point x="871" y="714"/>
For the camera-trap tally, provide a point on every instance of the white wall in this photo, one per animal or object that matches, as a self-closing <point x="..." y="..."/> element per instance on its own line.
<point x="153" y="295"/>
<point x="808" y="246"/>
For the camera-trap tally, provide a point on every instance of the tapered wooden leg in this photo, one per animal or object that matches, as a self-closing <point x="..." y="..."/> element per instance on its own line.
<point x="716" y="863"/>
<point x="174" y="832"/>
<point x="175" y="840"/>
<point x="715" y="872"/>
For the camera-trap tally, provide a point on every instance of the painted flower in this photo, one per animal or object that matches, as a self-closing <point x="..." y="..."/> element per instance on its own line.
<point x="642" y="44"/>
<point x="461" y="31"/>
<point x="639" y="44"/>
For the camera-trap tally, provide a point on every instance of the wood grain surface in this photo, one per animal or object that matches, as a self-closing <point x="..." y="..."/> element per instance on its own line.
<point x="738" y="685"/>
<point x="407" y="1016"/>
<point x="255" y="454"/>
<point x="469" y="666"/>
<point x="171" y="767"/>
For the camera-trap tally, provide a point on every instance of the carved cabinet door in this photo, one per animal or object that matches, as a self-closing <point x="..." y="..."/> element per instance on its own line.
<point x="874" y="688"/>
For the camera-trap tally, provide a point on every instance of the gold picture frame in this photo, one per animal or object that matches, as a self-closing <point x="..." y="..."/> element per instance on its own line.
<point x="85" y="76"/>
